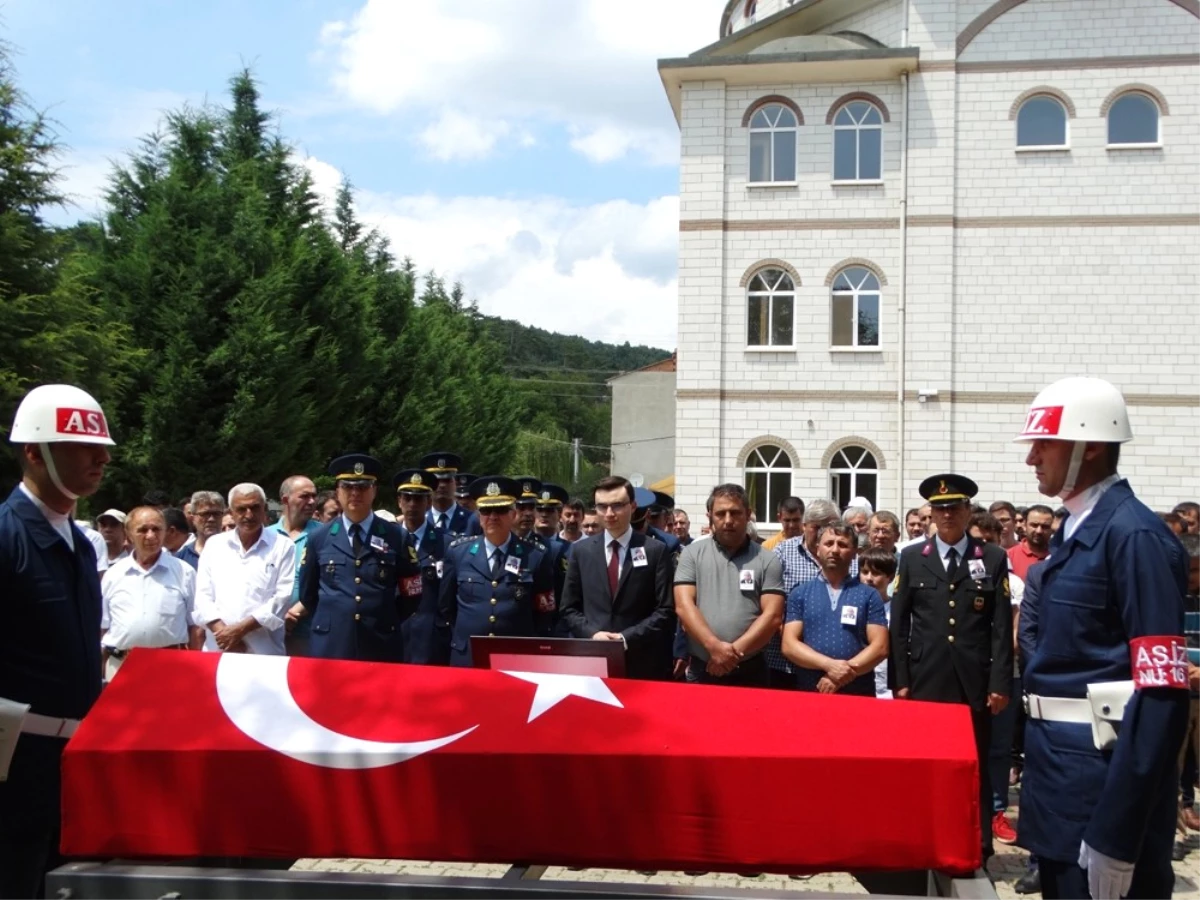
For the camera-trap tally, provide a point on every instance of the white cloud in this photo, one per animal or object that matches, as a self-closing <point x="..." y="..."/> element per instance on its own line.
<point x="605" y="271"/>
<point x="587" y="65"/>
<point x="456" y="135"/>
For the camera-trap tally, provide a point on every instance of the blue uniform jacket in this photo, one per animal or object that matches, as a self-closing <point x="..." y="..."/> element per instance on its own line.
<point x="49" y="647"/>
<point x="517" y="602"/>
<point x="358" y="603"/>
<point x="559" y="551"/>
<point x="426" y="636"/>
<point x="458" y="520"/>
<point x="1120" y="576"/>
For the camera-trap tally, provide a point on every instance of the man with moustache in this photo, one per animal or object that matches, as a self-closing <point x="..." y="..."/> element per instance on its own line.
<point x="445" y="515"/>
<point x="1109" y="619"/>
<point x="148" y="596"/>
<point x="49" y="652"/>
<point x="298" y="495"/>
<point x="1035" y="546"/>
<point x="426" y="638"/>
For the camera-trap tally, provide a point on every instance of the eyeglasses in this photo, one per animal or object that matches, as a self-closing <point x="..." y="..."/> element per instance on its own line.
<point x="494" y="511"/>
<point x="208" y="514"/>
<point x="611" y="507"/>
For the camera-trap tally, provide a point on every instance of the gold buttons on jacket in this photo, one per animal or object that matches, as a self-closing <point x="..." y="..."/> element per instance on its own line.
<point x="495" y="584"/>
<point x="357" y="580"/>
<point x="493" y="601"/>
<point x="952" y="604"/>
<point x="357" y="617"/>
<point x="950" y="639"/>
<point x="358" y="562"/>
<point x="491" y="634"/>
<point x="951" y="621"/>
<point x="491" y="618"/>
<point x="357" y="599"/>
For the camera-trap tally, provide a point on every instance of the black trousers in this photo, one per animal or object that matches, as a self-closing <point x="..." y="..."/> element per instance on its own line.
<point x="981" y="724"/>
<point x="26" y="857"/>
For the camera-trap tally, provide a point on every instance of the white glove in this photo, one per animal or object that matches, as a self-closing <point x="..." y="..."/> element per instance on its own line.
<point x="1108" y="878"/>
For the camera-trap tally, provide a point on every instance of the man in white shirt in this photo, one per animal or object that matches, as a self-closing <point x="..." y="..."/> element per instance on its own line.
<point x="147" y="597"/>
<point x="111" y="525"/>
<point x="244" y="583"/>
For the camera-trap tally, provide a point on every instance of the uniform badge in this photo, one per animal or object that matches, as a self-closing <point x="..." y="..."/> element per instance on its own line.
<point x="1004" y="587"/>
<point x="545" y="495"/>
<point x="978" y="604"/>
<point x="942" y="488"/>
<point x="493" y="489"/>
<point x="330" y="568"/>
<point x="358" y="468"/>
<point x="519" y="592"/>
<point x="527" y="488"/>
<point x="441" y="463"/>
<point x="304" y="554"/>
<point x="416" y="479"/>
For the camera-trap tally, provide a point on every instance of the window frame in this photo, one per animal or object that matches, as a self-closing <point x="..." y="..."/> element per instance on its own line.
<point x="858" y="129"/>
<point x="853" y="470"/>
<point x="772" y="130"/>
<point x="855" y="293"/>
<point x="766" y="470"/>
<point x="1142" y="145"/>
<point x="1064" y="147"/>
<point x="769" y="295"/>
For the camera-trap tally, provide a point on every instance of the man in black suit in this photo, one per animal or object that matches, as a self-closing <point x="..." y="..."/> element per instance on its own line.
<point x="622" y="592"/>
<point x="952" y="623"/>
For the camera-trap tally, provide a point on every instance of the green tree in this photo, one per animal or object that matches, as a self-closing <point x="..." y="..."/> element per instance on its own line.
<point x="55" y="330"/>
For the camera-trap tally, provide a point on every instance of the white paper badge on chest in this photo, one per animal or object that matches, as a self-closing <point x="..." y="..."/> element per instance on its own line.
<point x="746" y="579"/>
<point x="849" y="615"/>
<point x="638" y="556"/>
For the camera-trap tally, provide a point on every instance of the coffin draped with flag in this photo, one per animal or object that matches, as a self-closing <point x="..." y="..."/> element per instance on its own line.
<point x="316" y="758"/>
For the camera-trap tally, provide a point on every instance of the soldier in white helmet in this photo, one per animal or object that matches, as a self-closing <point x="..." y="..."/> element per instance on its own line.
<point x="50" y="642"/>
<point x="1106" y="682"/>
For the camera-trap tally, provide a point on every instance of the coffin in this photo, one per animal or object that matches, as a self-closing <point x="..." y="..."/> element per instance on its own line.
<point x="203" y="754"/>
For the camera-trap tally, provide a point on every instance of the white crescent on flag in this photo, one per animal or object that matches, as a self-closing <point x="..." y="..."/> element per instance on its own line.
<point x="255" y="694"/>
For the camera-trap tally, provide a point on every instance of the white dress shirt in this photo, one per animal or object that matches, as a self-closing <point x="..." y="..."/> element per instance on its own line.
<point x="623" y="540"/>
<point x="943" y="550"/>
<point x="147" y="607"/>
<point x="1081" y="505"/>
<point x="232" y="584"/>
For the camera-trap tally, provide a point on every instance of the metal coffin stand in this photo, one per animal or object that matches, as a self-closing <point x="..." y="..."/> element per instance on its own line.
<point x="105" y="881"/>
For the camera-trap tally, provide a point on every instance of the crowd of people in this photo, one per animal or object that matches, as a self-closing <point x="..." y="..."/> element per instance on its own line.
<point x="941" y="604"/>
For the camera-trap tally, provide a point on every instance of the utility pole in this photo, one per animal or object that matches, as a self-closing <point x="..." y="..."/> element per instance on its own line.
<point x="575" y="460"/>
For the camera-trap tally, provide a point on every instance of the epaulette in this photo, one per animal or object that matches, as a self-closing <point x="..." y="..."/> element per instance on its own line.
<point x="462" y="540"/>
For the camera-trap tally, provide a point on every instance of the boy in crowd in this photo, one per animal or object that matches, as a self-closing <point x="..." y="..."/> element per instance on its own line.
<point x="877" y="569"/>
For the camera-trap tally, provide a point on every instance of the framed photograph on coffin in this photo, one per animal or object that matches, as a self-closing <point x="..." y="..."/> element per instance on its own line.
<point x="559" y="656"/>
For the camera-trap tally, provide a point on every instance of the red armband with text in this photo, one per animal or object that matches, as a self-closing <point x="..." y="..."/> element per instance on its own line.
<point x="545" y="602"/>
<point x="1158" y="661"/>
<point x="411" y="587"/>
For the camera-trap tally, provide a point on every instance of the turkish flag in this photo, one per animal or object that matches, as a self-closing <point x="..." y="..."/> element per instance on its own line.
<point x="207" y="754"/>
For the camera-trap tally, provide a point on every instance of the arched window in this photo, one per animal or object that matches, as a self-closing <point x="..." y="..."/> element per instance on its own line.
<point x="858" y="142"/>
<point x="1133" y="120"/>
<point x="854" y="472"/>
<point x="773" y="144"/>
<point x="854" y="309"/>
<point x="770" y="305"/>
<point x="1041" y="123"/>
<point x="768" y="475"/>
<point x="751" y="11"/>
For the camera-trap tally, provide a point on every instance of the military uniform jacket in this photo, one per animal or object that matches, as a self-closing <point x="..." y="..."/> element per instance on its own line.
<point x="426" y="635"/>
<point x="559" y="551"/>
<point x="49" y="648"/>
<point x="951" y="632"/>
<point x="1121" y="575"/>
<point x="458" y="520"/>
<point x="358" y="603"/>
<point x="517" y="601"/>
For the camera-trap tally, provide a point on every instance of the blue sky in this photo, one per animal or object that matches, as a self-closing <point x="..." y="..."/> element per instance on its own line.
<point x="524" y="146"/>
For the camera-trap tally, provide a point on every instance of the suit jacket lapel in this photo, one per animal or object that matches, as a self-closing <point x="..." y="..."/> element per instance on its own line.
<point x="480" y="561"/>
<point x="963" y="570"/>
<point x="933" y="561"/>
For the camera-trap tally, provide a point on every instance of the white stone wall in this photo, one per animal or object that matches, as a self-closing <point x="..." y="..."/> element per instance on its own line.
<point x="883" y="22"/>
<point x="999" y="310"/>
<point x="1069" y="29"/>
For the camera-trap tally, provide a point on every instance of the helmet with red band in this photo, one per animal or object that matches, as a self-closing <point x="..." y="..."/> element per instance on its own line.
<point x="1078" y="409"/>
<point x="56" y="413"/>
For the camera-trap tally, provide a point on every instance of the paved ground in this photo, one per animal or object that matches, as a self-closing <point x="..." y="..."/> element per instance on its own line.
<point x="1006" y="867"/>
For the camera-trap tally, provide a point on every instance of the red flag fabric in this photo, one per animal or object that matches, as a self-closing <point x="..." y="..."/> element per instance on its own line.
<point x="206" y="754"/>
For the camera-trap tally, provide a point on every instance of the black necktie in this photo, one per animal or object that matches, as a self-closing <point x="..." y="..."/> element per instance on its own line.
<point x="951" y="561"/>
<point x="356" y="538"/>
<point x="441" y="522"/>
<point x="614" y="566"/>
<point x="497" y="560"/>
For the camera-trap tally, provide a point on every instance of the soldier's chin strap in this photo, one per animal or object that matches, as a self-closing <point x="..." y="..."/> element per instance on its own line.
<point x="1068" y="487"/>
<point x="52" y="471"/>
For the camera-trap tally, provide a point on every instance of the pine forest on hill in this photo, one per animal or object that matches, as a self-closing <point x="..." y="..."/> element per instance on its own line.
<point x="235" y="331"/>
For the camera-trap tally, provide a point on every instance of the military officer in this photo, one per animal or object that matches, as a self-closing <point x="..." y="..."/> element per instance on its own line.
<point x="495" y="583"/>
<point x="951" y="627"/>
<point x="359" y="577"/>
<point x="446" y="515"/>
<point x="659" y="516"/>
<point x="646" y="499"/>
<point x="50" y="643"/>
<point x="426" y="640"/>
<point x="529" y="488"/>
<point x="548" y="509"/>
<point x="1101" y="817"/>
<point x="462" y="490"/>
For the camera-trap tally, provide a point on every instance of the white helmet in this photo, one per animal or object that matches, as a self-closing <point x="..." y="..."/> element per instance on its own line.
<point x="1077" y="409"/>
<point x="54" y="413"/>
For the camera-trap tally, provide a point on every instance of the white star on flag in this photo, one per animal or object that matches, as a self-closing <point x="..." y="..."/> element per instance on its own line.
<point x="551" y="689"/>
